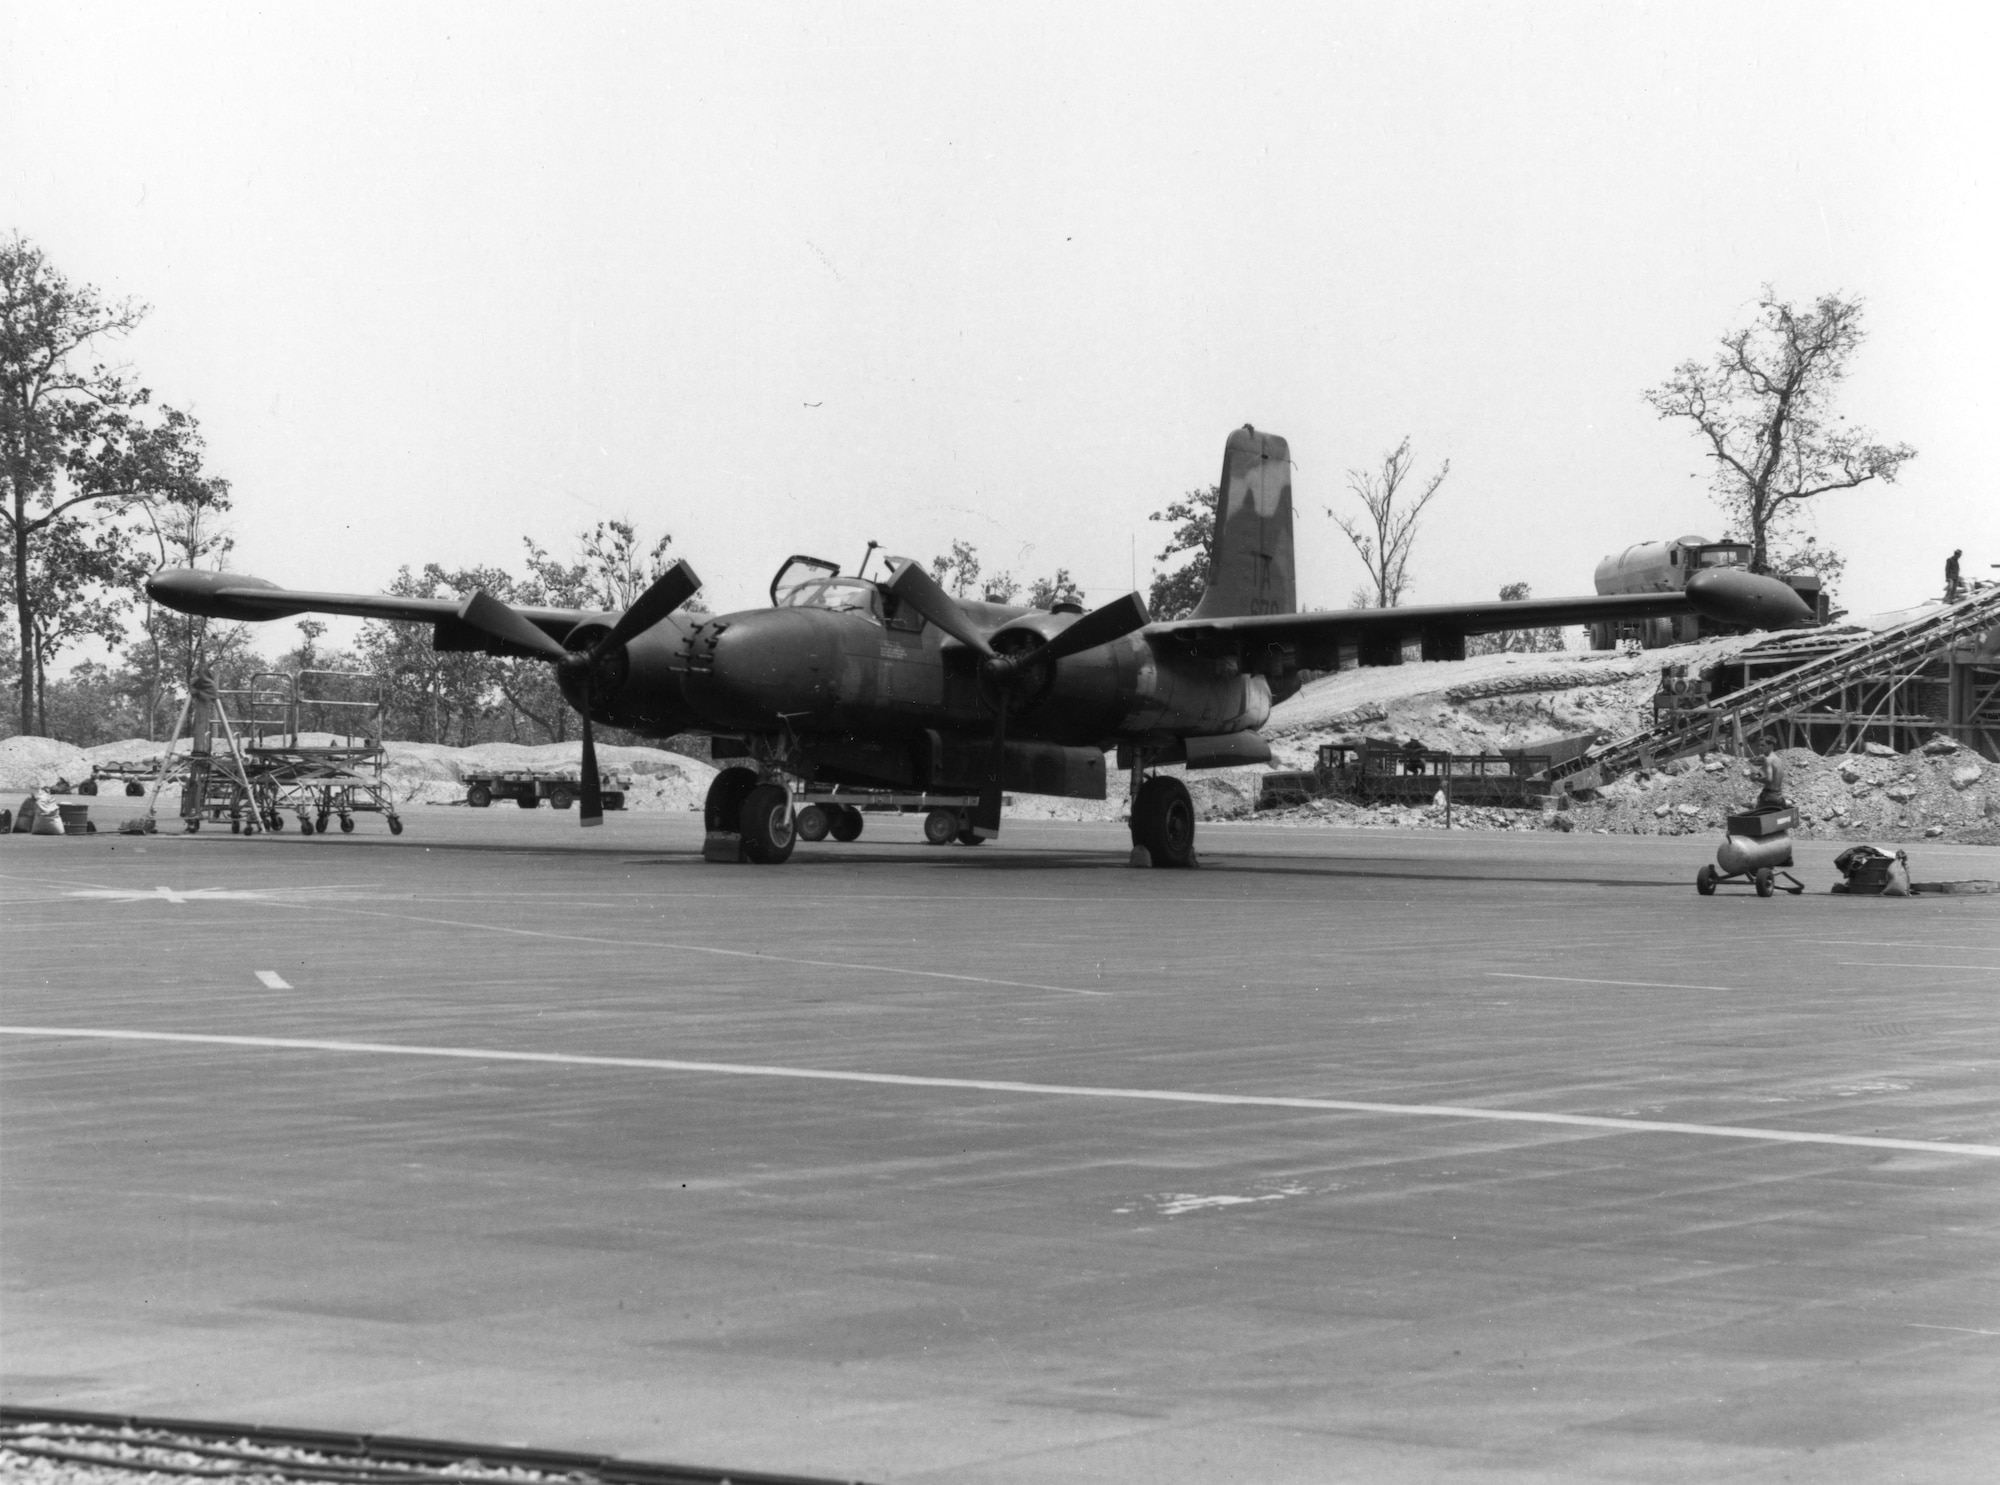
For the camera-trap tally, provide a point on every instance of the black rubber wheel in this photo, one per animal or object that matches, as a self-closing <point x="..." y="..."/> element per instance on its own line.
<point x="767" y="824"/>
<point x="967" y="836"/>
<point x="305" y="825"/>
<point x="274" y="822"/>
<point x="395" y="824"/>
<point x="134" y="789"/>
<point x="723" y="809"/>
<point x="1704" y="881"/>
<point x="319" y="824"/>
<point x="1163" y="821"/>
<point x="1766" y="883"/>
<point x="813" y="823"/>
<point x="347" y="824"/>
<point x="88" y="786"/>
<point x="191" y="826"/>
<point x="847" y="824"/>
<point x="940" y="826"/>
<point x="561" y="799"/>
<point x="479" y="796"/>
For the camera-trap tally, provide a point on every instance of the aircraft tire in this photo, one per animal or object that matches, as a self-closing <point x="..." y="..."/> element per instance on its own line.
<point x="847" y="824"/>
<point x="768" y="836"/>
<point x="940" y="826"/>
<point x="812" y="823"/>
<point x="723" y="810"/>
<point x="1163" y="821"/>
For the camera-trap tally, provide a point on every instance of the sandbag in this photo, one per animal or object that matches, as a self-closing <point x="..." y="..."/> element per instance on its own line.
<point x="1898" y="884"/>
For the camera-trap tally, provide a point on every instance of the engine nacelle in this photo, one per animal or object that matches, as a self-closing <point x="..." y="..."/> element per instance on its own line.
<point x="637" y="687"/>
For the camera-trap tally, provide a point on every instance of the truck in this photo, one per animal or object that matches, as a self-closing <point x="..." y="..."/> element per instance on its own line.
<point x="1664" y="567"/>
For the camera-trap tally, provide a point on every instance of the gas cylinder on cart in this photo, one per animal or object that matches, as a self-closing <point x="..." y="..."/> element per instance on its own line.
<point x="1741" y="855"/>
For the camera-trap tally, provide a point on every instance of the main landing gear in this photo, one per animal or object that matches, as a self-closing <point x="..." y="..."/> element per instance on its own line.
<point x="1163" y="821"/>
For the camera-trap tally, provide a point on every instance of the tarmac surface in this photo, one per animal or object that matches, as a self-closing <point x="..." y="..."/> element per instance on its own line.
<point x="1356" y="1155"/>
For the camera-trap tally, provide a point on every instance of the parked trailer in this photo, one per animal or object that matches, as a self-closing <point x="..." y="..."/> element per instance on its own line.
<point x="528" y="787"/>
<point x="835" y="810"/>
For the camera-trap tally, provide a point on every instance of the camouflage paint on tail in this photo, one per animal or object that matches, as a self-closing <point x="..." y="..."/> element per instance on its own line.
<point x="1250" y="567"/>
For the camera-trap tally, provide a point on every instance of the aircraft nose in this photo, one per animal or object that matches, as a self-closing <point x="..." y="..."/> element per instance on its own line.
<point x="1733" y="596"/>
<point x="755" y="668"/>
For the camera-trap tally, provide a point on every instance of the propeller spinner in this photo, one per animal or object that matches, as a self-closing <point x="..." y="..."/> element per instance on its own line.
<point x="496" y="620"/>
<point x="1115" y="620"/>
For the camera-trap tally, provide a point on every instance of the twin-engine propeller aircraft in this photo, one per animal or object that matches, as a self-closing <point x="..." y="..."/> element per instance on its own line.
<point x="894" y="684"/>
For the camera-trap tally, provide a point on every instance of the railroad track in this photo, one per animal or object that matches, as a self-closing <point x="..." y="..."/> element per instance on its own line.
<point x="65" y="1445"/>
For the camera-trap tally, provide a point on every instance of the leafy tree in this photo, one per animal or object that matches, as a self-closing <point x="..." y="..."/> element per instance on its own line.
<point x="1384" y="538"/>
<point x="1537" y="641"/>
<point x="79" y="443"/>
<point x="1045" y="592"/>
<point x="1176" y="591"/>
<point x="1763" y="410"/>
<point x="959" y="573"/>
<point x="176" y="645"/>
<point x="434" y="696"/>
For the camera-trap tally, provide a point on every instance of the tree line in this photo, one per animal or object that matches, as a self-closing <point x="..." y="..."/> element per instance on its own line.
<point x="100" y="485"/>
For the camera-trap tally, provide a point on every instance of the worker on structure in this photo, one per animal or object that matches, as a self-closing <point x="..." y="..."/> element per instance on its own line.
<point x="1413" y="756"/>
<point x="1953" y="588"/>
<point x="1768" y="767"/>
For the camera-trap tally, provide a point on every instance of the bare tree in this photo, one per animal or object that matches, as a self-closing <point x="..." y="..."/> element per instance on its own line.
<point x="1764" y="409"/>
<point x="1385" y="537"/>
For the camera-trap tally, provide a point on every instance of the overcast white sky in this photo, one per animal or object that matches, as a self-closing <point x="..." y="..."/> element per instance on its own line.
<point x="788" y="278"/>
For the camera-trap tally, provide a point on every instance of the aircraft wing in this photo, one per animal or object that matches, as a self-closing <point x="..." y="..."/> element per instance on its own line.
<point x="243" y="599"/>
<point x="1736" y="598"/>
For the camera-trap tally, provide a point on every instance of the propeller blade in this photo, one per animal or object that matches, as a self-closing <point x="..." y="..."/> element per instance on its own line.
<point x="916" y="588"/>
<point x="986" y="814"/>
<point x="674" y="587"/>
<point x="590" y="807"/>
<point x="493" y="618"/>
<point x="1100" y="626"/>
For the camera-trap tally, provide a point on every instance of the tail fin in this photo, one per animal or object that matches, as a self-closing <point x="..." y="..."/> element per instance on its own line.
<point x="1250" y="569"/>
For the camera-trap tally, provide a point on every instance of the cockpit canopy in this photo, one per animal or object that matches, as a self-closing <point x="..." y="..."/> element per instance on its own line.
<point x="814" y="582"/>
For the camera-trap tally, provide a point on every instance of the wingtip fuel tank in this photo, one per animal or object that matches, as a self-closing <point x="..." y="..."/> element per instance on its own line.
<point x="1734" y="595"/>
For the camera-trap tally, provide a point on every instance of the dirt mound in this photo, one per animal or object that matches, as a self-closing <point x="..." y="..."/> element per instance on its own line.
<point x="40" y="763"/>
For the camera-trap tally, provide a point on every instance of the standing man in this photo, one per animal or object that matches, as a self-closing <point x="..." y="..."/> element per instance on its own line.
<point x="1953" y="589"/>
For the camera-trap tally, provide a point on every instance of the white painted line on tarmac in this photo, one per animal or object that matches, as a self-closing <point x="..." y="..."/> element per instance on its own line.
<point x="1501" y="974"/>
<point x="272" y="979"/>
<point x="1904" y="943"/>
<point x="1906" y="964"/>
<point x="1051" y="1090"/>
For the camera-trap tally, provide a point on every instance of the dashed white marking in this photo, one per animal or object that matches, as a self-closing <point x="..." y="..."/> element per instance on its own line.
<point x="1502" y="974"/>
<point x="1050" y="1090"/>
<point x="272" y="979"/>
<point x="169" y="894"/>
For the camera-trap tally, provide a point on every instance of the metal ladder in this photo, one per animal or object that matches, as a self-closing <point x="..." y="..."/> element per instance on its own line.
<point x="1747" y="711"/>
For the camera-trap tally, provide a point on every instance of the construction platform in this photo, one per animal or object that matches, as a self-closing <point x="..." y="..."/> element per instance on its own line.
<point x="1354" y="1155"/>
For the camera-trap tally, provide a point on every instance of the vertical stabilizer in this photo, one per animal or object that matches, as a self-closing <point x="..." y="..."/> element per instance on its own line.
<point x="1250" y="568"/>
